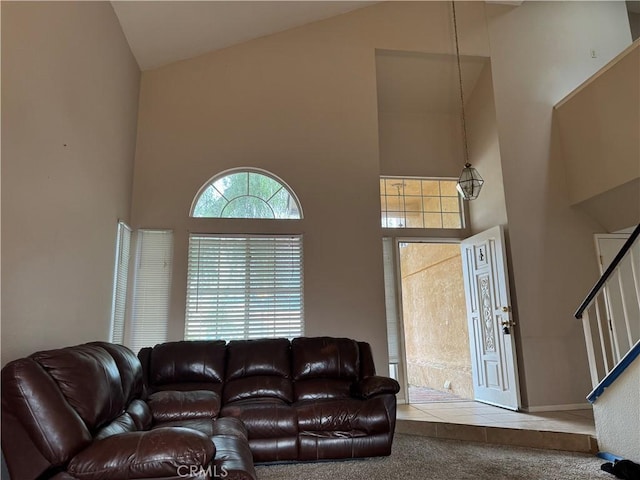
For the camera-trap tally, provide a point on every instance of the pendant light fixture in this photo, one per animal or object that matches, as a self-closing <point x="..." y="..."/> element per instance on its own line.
<point x="470" y="182"/>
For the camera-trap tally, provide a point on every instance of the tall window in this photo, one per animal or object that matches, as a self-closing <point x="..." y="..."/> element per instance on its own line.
<point x="245" y="286"/>
<point x="242" y="287"/>
<point x="151" y="289"/>
<point x="412" y="202"/>
<point x="120" y="277"/>
<point x="246" y="193"/>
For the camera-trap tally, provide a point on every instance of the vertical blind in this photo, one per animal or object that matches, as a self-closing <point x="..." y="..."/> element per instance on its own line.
<point x="152" y="286"/>
<point x="244" y="287"/>
<point x="120" y="277"/>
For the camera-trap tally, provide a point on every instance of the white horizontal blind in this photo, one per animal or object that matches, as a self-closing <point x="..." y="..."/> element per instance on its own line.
<point x="120" y="280"/>
<point x="244" y="287"/>
<point x="152" y="285"/>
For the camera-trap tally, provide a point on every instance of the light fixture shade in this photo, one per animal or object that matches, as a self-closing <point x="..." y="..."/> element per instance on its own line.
<point x="469" y="183"/>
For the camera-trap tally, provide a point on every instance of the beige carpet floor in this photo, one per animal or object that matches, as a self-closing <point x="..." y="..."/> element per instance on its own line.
<point x="422" y="458"/>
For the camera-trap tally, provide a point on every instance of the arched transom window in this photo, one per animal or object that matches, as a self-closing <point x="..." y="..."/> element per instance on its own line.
<point x="246" y="193"/>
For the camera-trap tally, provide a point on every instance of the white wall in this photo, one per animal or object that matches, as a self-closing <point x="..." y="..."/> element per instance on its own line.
<point x="540" y="51"/>
<point x="69" y="106"/>
<point x="617" y="415"/>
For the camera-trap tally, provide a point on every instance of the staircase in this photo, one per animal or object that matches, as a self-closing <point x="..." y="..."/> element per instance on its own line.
<point x="610" y="317"/>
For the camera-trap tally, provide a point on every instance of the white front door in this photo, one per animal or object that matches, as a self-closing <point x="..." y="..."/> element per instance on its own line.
<point x="491" y="329"/>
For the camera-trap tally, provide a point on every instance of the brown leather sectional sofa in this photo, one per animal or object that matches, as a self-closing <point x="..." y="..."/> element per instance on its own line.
<point x="192" y="409"/>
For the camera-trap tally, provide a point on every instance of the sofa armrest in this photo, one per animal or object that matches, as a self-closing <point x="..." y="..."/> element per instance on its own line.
<point x="171" y="405"/>
<point x="163" y="452"/>
<point x="375" y="385"/>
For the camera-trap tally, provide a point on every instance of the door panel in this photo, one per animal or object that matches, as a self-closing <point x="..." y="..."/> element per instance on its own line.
<point x="491" y="329"/>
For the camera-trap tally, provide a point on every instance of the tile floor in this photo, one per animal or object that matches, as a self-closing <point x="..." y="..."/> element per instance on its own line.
<point x="475" y="413"/>
<point x="477" y="422"/>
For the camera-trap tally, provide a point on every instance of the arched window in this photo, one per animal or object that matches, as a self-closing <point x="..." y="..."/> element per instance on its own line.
<point x="246" y="193"/>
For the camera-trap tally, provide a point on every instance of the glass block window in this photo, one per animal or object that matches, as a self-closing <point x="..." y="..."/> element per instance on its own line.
<point x="246" y="194"/>
<point x="413" y="202"/>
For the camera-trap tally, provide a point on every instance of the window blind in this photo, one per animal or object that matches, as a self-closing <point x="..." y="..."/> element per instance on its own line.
<point x="391" y="302"/>
<point x="120" y="280"/>
<point x="152" y="285"/>
<point x="244" y="287"/>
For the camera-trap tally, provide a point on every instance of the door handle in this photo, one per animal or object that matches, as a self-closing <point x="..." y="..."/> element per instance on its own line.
<point x="505" y="326"/>
<point x="506" y="309"/>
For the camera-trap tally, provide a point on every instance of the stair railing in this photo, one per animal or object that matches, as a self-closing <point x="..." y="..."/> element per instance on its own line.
<point x="615" y="307"/>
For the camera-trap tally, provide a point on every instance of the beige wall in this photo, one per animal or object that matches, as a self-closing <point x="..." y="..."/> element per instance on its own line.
<point x="301" y="104"/>
<point x="598" y="127"/>
<point x="490" y="208"/>
<point x="435" y="317"/>
<point x="540" y="51"/>
<point x="413" y="143"/>
<point x="69" y="101"/>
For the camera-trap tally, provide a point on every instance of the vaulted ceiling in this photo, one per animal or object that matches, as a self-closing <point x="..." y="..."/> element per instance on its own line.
<point x="161" y="32"/>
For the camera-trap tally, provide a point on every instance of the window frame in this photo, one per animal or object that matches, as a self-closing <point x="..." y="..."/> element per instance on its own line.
<point x="462" y="213"/>
<point x="248" y="170"/>
<point x="124" y="242"/>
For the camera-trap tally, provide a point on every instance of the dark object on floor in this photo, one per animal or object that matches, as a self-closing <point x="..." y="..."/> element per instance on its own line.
<point x="625" y="469"/>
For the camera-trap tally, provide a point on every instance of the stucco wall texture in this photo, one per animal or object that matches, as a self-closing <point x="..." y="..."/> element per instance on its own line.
<point x="434" y="313"/>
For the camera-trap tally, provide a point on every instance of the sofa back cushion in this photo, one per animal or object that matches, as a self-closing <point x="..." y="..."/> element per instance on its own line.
<point x="200" y="362"/>
<point x="324" y="367"/>
<point x="40" y="429"/>
<point x="129" y="368"/>
<point x="258" y="369"/>
<point x="89" y="379"/>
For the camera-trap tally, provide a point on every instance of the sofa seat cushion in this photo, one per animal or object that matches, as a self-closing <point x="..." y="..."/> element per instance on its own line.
<point x="202" y="425"/>
<point x="258" y="387"/>
<point x="264" y="418"/>
<point x="349" y="417"/>
<point x="156" y="453"/>
<point x="188" y="387"/>
<point x="229" y="426"/>
<point x="167" y="406"/>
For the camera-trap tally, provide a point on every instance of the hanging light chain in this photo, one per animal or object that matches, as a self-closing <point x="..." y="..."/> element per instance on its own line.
<point x="464" y="123"/>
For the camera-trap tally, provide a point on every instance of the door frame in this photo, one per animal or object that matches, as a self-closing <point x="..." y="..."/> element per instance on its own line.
<point x="402" y="364"/>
